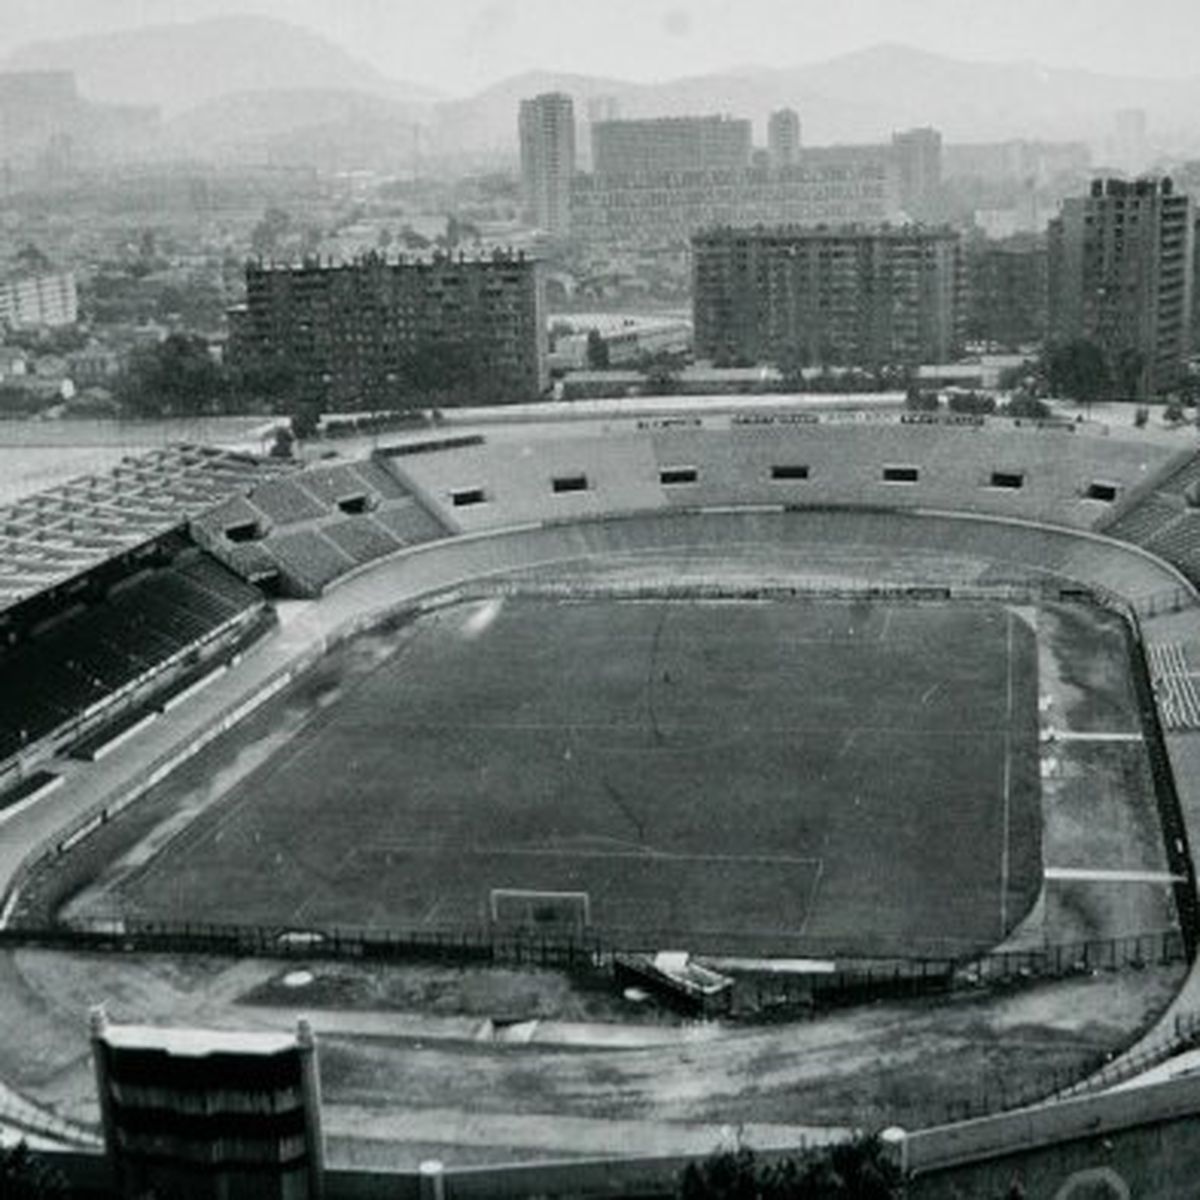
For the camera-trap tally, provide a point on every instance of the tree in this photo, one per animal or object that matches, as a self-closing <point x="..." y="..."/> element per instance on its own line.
<point x="1173" y="413"/>
<point x="1077" y="370"/>
<point x="791" y="365"/>
<point x="1189" y="390"/>
<point x="306" y="419"/>
<point x="662" y="378"/>
<point x="972" y="403"/>
<point x="1027" y="406"/>
<point x="597" y="351"/>
<point x="283" y="442"/>
<point x="178" y="377"/>
<point x="24" y="1176"/>
<point x="272" y="382"/>
<point x="916" y="399"/>
<point x="1127" y="378"/>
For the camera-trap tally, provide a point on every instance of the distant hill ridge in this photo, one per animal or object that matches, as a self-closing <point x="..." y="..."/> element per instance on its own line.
<point x="254" y="78"/>
<point x="180" y="66"/>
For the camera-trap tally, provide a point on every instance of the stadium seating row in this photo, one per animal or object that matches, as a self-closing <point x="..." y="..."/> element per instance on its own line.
<point x="1164" y="521"/>
<point x="307" y="530"/>
<point x="1058" y="476"/>
<point x="58" y="675"/>
<point x="1174" y="686"/>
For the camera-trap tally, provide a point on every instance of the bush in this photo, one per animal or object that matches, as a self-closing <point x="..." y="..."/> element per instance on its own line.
<point x="1026" y="406"/>
<point x="857" y="1170"/>
<point x="972" y="403"/>
<point x="917" y="400"/>
<point x="24" y="1176"/>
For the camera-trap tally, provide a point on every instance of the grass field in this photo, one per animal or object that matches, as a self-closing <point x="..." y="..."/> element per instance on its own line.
<point x="745" y="776"/>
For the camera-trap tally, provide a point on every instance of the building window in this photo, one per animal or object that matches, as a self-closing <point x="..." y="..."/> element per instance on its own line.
<point x="1010" y="480"/>
<point x="466" y="497"/>
<point x="901" y="474"/>
<point x="789" y="472"/>
<point x="1101" y="490"/>
<point x="670" y="476"/>
<point x="569" y="483"/>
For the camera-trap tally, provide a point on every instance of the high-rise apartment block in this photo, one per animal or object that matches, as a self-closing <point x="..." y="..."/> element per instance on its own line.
<point x="377" y="334"/>
<point x="602" y="108"/>
<point x="667" y="144"/>
<point x="547" y="136"/>
<point x="1007" y="290"/>
<point x="919" y="163"/>
<point x="1016" y="161"/>
<point x="666" y="208"/>
<point x="828" y="296"/>
<point x="783" y="138"/>
<point x="32" y="301"/>
<point x="1121" y="275"/>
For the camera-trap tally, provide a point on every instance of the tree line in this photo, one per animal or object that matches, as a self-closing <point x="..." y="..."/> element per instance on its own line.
<point x="179" y="376"/>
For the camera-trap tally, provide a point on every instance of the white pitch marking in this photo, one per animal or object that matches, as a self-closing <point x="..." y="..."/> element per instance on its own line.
<point x="1102" y="875"/>
<point x="1070" y="735"/>
<point x="1005" y="850"/>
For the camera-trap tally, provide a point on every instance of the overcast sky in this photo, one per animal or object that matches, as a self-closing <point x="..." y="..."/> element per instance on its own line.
<point x="462" y="45"/>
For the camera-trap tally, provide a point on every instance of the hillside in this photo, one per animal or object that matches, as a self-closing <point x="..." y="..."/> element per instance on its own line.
<point x="860" y="96"/>
<point x="333" y="128"/>
<point x="178" y="67"/>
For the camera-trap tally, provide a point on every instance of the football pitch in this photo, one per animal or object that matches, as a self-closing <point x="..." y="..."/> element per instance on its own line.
<point x="779" y="777"/>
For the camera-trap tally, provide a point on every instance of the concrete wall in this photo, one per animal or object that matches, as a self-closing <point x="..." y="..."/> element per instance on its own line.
<point x="1140" y="1142"/>
<point x="845" y="461"/>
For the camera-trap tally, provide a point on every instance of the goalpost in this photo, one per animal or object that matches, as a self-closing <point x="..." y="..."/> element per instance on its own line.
<point x="540" y="911"/>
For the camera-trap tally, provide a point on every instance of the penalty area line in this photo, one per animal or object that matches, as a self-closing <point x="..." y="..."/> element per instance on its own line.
<point x="1005" y="865"/>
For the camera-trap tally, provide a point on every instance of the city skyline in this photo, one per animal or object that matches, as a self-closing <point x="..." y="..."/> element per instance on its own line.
<point x="463" y="46"/>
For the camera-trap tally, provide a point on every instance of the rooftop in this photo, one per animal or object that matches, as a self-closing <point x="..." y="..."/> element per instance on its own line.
<point x="50" y="537"/>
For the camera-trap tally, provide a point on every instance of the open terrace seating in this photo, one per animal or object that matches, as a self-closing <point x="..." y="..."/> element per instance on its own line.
<point x="409" y="523"/>
<point x="287" y="503"/>
<point x="377" y="477"/>
<point x="310" y="559"/>
<point x="1146" y="520"/>
<point x="1184" y="480"/>
<point x="362" y="538"/>
<point x="336" y="482"/>
<point x="251" y="560"/>
<point x="1179" y="543"/>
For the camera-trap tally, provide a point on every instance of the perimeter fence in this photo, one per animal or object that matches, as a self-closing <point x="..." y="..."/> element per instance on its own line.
<point x="762" y="988"/>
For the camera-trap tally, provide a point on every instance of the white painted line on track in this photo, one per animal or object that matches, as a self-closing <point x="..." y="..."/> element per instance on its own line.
<point x="1101" y="875"/>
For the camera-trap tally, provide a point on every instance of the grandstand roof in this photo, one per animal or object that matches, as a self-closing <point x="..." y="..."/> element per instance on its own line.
<point x="52" y="536"/>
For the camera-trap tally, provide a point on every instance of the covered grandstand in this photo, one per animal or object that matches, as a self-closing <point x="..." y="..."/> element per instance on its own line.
<point x="105" y="601"/>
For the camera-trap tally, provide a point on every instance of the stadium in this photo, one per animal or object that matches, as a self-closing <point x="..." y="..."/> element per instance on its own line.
<point x="773" y="711"/>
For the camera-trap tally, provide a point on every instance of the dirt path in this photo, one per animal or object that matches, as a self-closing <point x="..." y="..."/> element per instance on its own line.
<point x="861" y="1067"/>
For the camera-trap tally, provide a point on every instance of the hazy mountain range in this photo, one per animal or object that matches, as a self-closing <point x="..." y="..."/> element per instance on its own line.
<point x="247" y="83"/>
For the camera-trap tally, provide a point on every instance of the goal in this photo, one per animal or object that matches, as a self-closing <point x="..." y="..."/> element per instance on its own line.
<point x="541" y="912"/>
